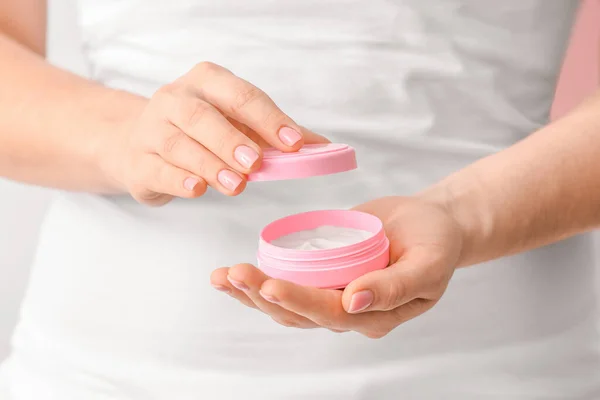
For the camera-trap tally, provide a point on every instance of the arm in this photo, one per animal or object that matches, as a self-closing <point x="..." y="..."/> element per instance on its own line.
<point x="51" y="122"/>
<point x="541" y="190"/>
<point x="60" y="130"/>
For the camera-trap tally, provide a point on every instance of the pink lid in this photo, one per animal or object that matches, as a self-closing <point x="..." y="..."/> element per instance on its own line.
<point x="310" y="160"/>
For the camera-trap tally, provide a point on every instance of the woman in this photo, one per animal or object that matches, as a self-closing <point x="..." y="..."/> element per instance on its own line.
<point x="119" y="305"/>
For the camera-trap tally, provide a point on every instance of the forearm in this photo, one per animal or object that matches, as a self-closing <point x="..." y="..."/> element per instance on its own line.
<point x="54" y="125"/>
<point x="541" y="190"/>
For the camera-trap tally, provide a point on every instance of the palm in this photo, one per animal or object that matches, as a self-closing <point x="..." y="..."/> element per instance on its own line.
<point x="413" y="225"/>
<point x="425" y="245"/>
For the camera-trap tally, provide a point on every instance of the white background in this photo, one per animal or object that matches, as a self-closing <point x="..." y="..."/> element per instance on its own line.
<point x="22" y="208"/>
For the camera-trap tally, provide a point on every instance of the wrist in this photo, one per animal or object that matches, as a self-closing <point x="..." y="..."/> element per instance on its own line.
<point x="463" y="200"/>
<point x="111" y="144"/>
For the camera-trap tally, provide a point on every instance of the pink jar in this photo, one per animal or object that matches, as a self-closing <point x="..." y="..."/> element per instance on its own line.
<point x="325" y="268"/>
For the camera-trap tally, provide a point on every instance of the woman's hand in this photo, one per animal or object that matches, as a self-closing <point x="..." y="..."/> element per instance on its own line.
<point x="425" y="246"/>
<point x="206" y="128"/>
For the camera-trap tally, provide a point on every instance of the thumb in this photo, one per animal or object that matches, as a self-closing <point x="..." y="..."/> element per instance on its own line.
<point x="312" y="138"/>
<point x="382" y="290"/>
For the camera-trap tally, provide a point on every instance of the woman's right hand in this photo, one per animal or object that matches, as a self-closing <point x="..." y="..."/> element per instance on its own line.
<point x="206" y="128"/>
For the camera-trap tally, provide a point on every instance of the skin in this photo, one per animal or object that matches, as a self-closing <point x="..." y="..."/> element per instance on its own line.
<point x="63" y="131"/>
<point x="541" y="190"/>
<point x="25" y="22"/>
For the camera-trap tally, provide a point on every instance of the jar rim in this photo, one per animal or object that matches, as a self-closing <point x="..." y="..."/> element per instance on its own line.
<point x="314" y="219"/>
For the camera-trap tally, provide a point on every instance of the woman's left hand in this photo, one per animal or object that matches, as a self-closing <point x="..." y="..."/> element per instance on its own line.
<point x="425" y="246"/>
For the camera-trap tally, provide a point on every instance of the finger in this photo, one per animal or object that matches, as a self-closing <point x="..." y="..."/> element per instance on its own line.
<point x="397" y="316"/>
<point x="152" y="199"/>
<point x="413" y="276"/>
<point x="412" y="309"/>
<point x="380" y="290"/>
<point x="255" y="137"/>
<point x="218" y="280"/>
<point x="309" y="136"/>
<point x="246" y="103"/>
<point x="179" y="149"/>
<point x="249" y="279"/>
<point x="313" y="138"/>
<point x="324" y="307"/>
<point x="160" y="177"/>
<point x="338" y="331"/>
<point x="206" y="125"/>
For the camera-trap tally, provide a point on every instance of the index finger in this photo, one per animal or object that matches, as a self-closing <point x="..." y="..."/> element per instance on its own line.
<point x="245" y="103"/>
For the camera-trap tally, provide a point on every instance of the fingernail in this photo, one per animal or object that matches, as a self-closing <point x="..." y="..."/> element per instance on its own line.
<point x="221" y="288"/>
<point x="246" y="156"/>
<point x="360" y="301"/>
<point x="238" y="285"/>
<point x="289" y="136"/>
<point x="269" y="298"/>
<point x="229" y="179"/>
<point x="190" y="183"/>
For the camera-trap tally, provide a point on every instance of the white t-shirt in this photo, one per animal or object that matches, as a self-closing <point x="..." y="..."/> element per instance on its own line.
<point x="120" y="307"/>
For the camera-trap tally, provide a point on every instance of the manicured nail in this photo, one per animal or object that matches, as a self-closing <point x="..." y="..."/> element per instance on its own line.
<point x="222" y="288"/>
<point x="269" y="298"/>
<point x="190" y="183"/>
<point x="289" y="136"/>
<point x="245" y="155"/>
<point x="229" y="179"/>
<point x="360" y="301"/>
<point x="238" y="285"/>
